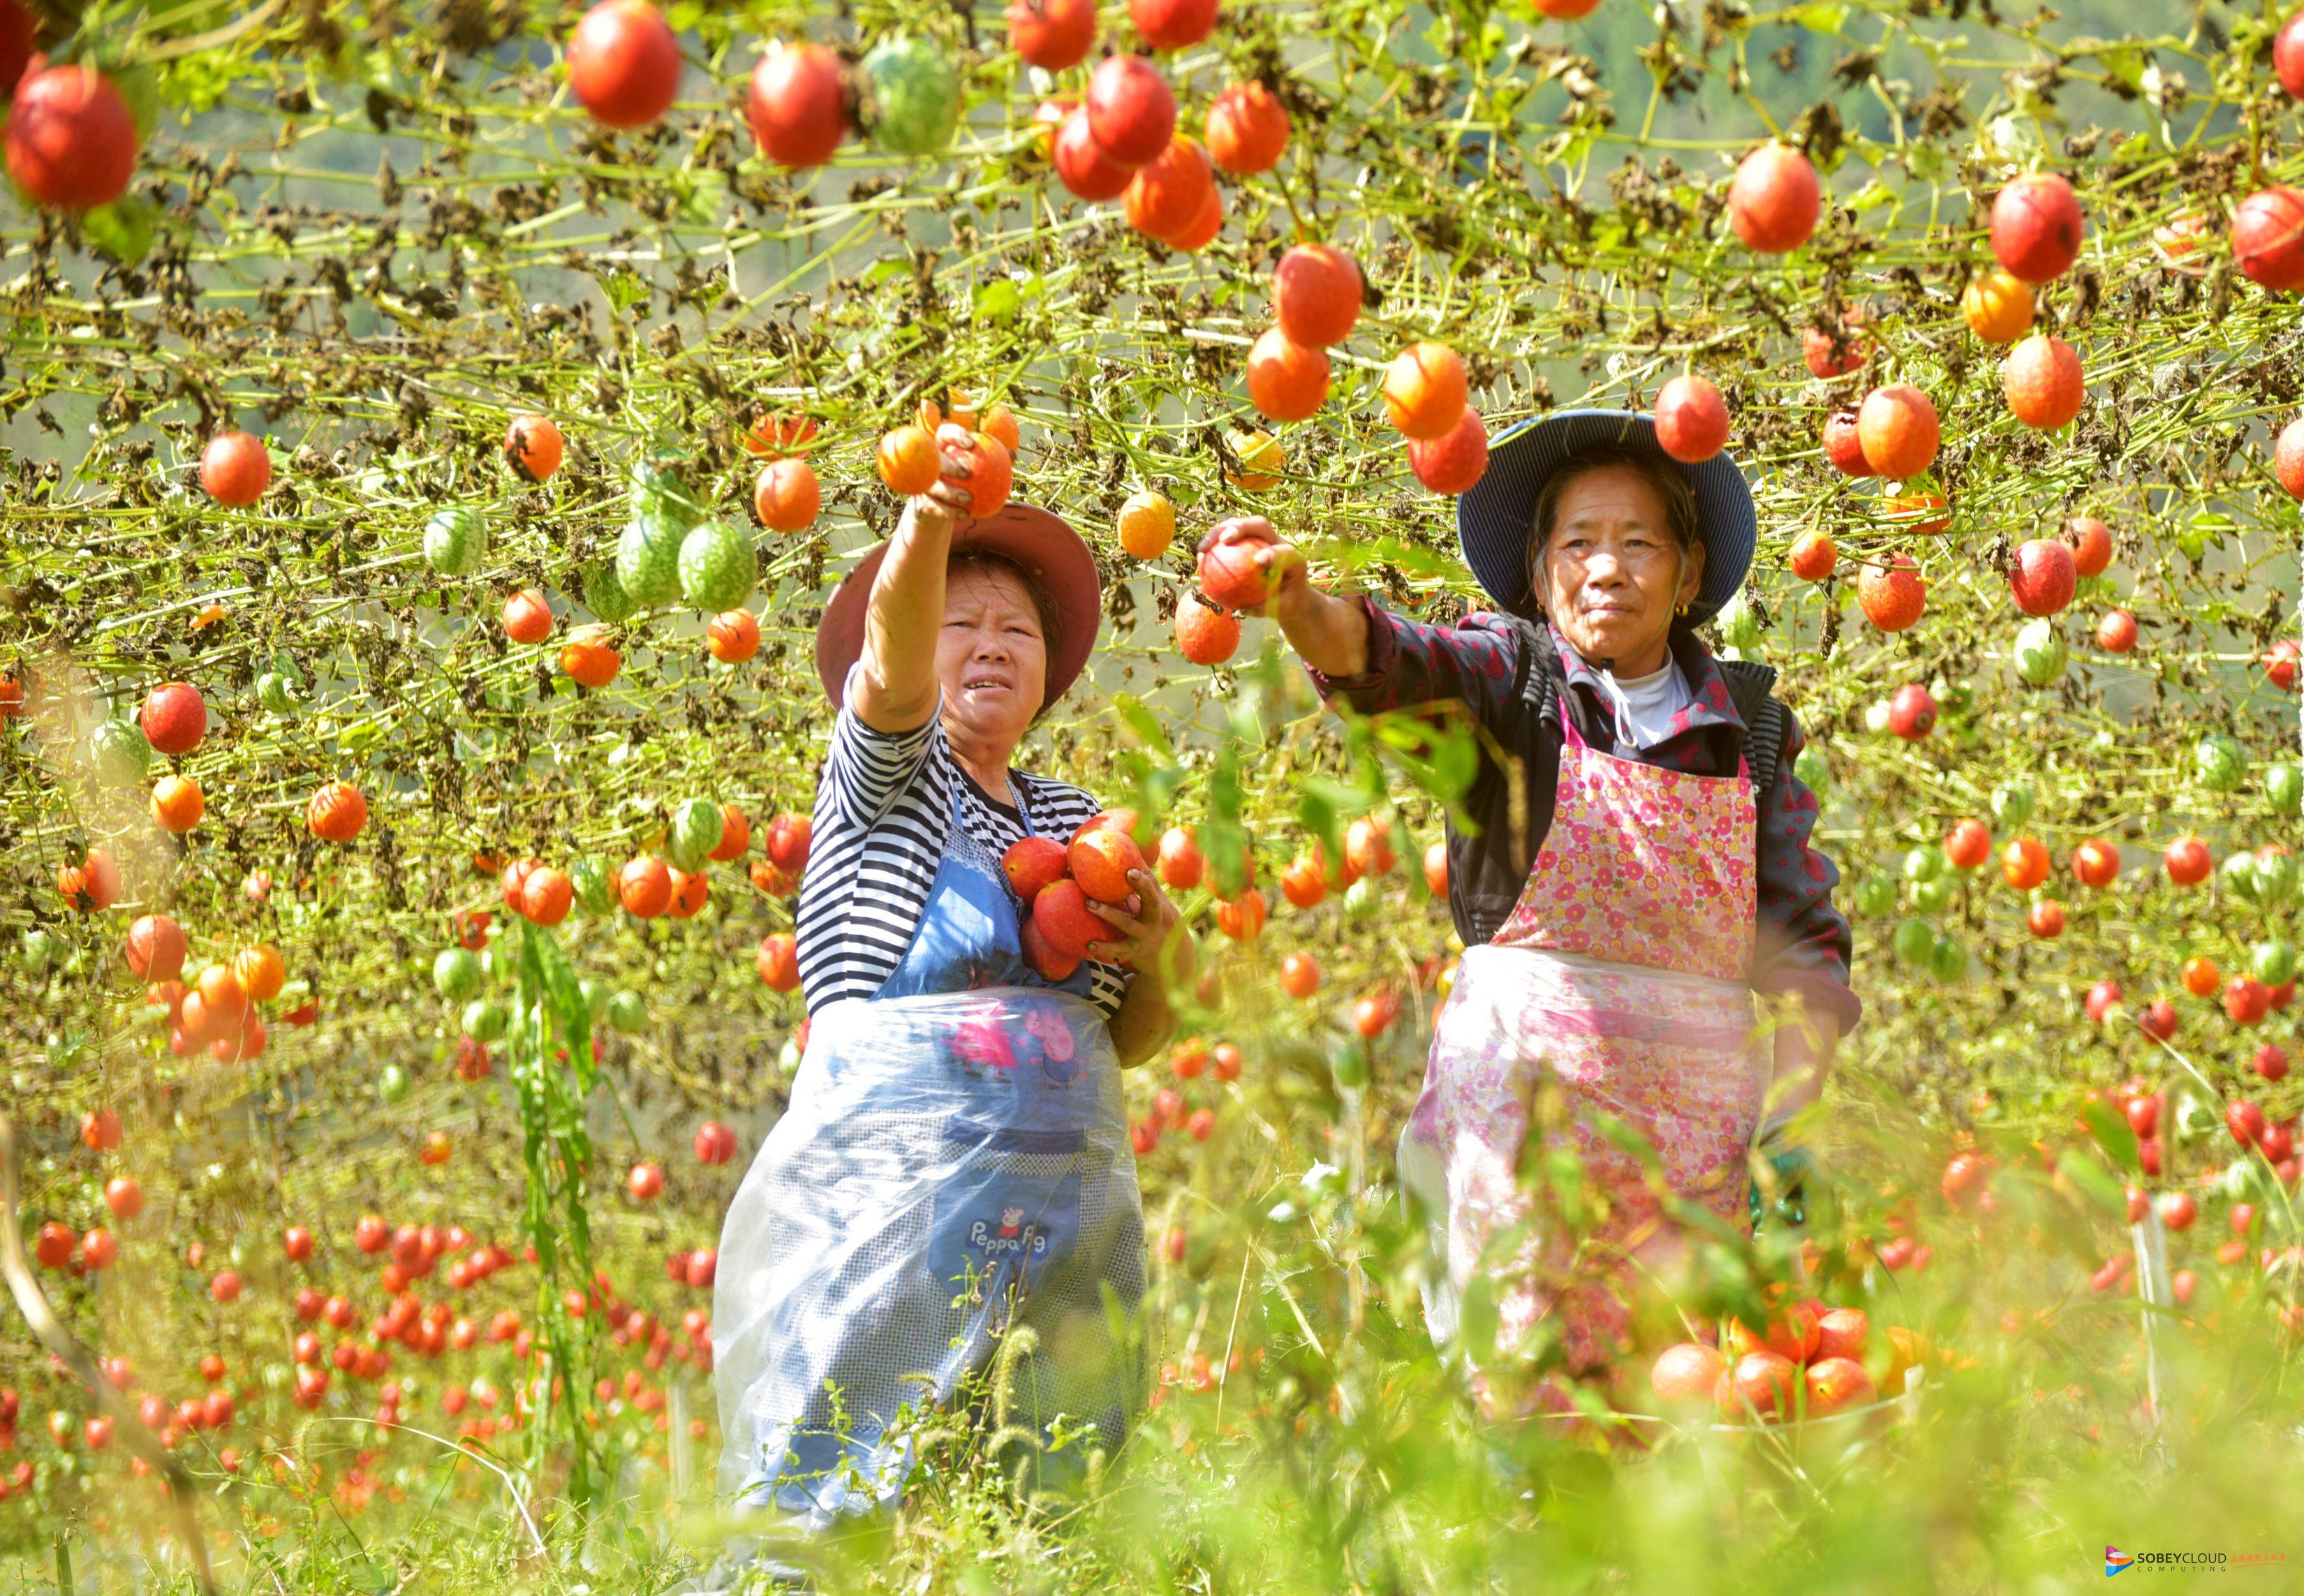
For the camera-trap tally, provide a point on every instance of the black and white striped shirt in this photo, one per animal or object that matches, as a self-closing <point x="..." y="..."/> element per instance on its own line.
<point x="883" y="805"/>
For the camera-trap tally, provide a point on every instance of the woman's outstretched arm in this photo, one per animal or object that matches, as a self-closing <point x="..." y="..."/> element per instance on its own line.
<point x="896" y="690"/>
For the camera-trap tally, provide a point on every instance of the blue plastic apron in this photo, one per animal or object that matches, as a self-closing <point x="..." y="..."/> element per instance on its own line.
<point x="954" y="1165"/>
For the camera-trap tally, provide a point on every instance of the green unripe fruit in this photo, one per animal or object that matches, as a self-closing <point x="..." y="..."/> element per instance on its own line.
<point x="1948" y="960"/>
<point x="2283" y="789"/>
<point x="455" y="541"/>
<point x="2237" y="874"/>
<point x="456" y="974"/>
<point x="2273" y="961"/>
<point x="2219" y="763"/>
<point x="2275" y="873"/>
<point x="1936" y="896"/>
<point x="2013" y="803"/>
<point x="627" y="1012"/>
<point x="38" y="951"/>
<point x="648" y="560"/>
<point x="2040" y="652"/>
<point x="913" y="97"/>
<point x="119" y="755"/>
<point x="1349" y="1065"/>
<point x="392" y="1084"/>
<point x="595" y="998"/>
<point x="718" y="568"/>
<point x="1915" y="942"/>
<point x="1740" y="628"/>
<point x="694" y="831"/>
<point x="590" y="881"/>
<point x="1876" y="895"/>
<point x="605" y="595"/>
<point x="274" y="694"/>
<point x="1925" y="863"/>
<point x="485" y="1020"/>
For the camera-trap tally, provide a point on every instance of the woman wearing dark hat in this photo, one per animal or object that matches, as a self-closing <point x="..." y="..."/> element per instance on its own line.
<point x="954" y="1164"/>
<point x="1641" y="867"/>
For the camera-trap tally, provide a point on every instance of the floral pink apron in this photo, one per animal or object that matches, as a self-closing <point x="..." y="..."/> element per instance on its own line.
<point x="1619" y="981"/>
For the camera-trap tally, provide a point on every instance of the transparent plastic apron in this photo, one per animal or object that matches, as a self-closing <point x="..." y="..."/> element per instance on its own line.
<point x="954" y="1163"/>
<point x="1619" y="981"/>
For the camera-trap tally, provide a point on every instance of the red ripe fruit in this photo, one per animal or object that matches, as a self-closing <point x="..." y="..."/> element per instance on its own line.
<point x="1316" y="295"/>
<point x="1230" y="576"/>
<point x="1899" y="429"/>
<point x="2158" y="1020"/>
<point x="1051" y="34"/>
<point x="1968" y="844"/>
<point x="99" y="1129"/>
<point x="1912" y="712"/>
<point x="1841" y="1333"/>
<point x="1686" y="1373"/>
<point x="1826" y="356"/>
<point x="623" y="63"/>
<point x="174" y="718"/>
<point x="716" y="1143"/>
<point x="2091" y="541"/>
<point x="1893" y="596"/>
<point x="2187" y="861"/>
<point x="1081" y="164"/>
<point x="1814" y="557"/>
<point x="154" y="948"/>
<point x="527" y="616"/>
<point x="645" y="1182"/>
<point x="1045" y="957"/>
<point x="1436" y="869"/>
<point x="2288" y="56"/>
<point x="1285" y="381"/>
<point x="2116" y="632"/>
<point x="2178" y="1210"/>
<point x="779" y="961"/>
<point x="1166" y="193"/>
<point x="2280" y="664"/>
<point x="1061" y="913"/>
<point x="2271" y="1062"/>
<point x="1761" y="1382"/>
<point x="788" y="839"/>
<point x="1454" y="461"/>
<point x="1033" y="862"/>
<point x="546" y="894"/>
<point x="797" y="104"/>
<point x="1773" y="199"/>
<point x="533" y="448"/>
<point x="123" y="1197"/>
<point x="1843" y="447"/>
<point x="1180" y="863"/>
<point x="2102" y="998"/>
<point x="71" y="139"/>
<point x="2288" y="458"/>
<point x="1130" y="110"/>
<point x="1102" y="858"/>
<point x="2042" y="578"/>
<point x="2036" y="227"/>
<point x="1837" y="1384"/>
<point x="235" y="469"/>
<point x="2247" y="999"/>
<point x="2042" y="383"/>
<point x="2268" y="235"/>
<point x="1692" y="420"/>
<point x="1205" y="634"/>
<point x="19" y="39"/>
<point x="1172" y="24"/>
<point x="644" y="887"/>
<point x="1247" y="129"/>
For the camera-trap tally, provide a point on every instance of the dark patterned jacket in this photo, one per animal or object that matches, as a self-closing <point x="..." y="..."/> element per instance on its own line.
<point x="1481" y="667"/>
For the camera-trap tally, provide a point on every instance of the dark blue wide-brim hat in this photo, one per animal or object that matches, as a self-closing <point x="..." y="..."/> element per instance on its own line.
<point x="1494" y="516"/>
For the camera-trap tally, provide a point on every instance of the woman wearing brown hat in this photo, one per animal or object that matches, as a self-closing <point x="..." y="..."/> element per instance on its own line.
<point x="954" y="1164"/>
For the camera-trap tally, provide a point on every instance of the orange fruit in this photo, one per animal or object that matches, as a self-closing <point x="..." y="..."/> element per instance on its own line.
<point x="1000" y="422"/>
<point x="1147" y="525"/>
<point x="260" y="971"/>
<point x="1261" y="461"/>
<point x="1814" y="557"/>
<point x="786" y="499"/>
<point x="2042" y="381"/>
<point x="1897" y="426"/>
<point x="1205" y="634"/>
<point x="733" y="636"/>
<point x="338" y="813"/>
<point x="532" y="447"/>
<point x="644" y="887"/>
<point x="177" y="803"/>
<point x="1909" y="507"/>
<point x="991" y="473"/>
<point x="1286" y="381"/>
<point x="588" y="659"/>
<point x="2201" y="976"/>
<point x="1893" y="596"/>
<point x="1426" y="390"/>
<point x="1998" y="305"/>
<point x="1315" y="295"/>
<point x="1455" y="460"/>
<point x="1248" y="128"/>
<point x="1165" y="196"/>
<point x="2025" y="863"/>
<point x="1201" y="232"/>
<point x="908" y="460"/>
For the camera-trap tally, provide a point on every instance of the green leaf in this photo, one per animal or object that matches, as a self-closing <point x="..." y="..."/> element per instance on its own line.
<point x="123" y="229"/>
<point x="998" y="301"/>
<point x="2112" y="1134"/>
<point x="1144" y="725"/>
<point x="2092" y="1179"/>
<point x="1819" y="16"/>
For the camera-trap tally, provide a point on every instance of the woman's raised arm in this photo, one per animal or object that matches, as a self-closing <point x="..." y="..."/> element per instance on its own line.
<point x="896" y="690"/>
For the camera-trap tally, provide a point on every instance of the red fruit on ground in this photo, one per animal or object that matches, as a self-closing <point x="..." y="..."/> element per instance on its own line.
<point x="1101" y="859"/>
<point x="1760" y="1382"/>
<point x="1205" y="634"/>
<point x="2091" y="541"/>
<point x="1912" y="712"/>
<point x="1033" y="862"/>
<point x="235" y="469"/>
<point x="2042" y="381"/>
<point x="1773" y="199"/>
<point x="1692" y="420"/>
<point x="1131" y="111"/>
<point x="2116" y="632"/>
<point x="1315" y="295"/>
<point x="623" y="63"/>
<point x="1686" y="1373"/>
<point x="174" y="718"/>
<point x="1247" y="129"/>
<point x="2041" y="579"/>
<point x="1452" y="464"/>
<point x="1844" y="446"/>
<point x="2036" y="227"/>
<point x="1836" y="1384"/>
<point x="1051" y="34"/>
<point x="2268" y="235"/>
<point x="1898" y="428"/>
<point x="71" y="138"/>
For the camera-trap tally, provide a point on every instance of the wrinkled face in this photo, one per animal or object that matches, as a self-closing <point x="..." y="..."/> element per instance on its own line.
<point x="991" y="660"/>
<point x="1612" y="575"/>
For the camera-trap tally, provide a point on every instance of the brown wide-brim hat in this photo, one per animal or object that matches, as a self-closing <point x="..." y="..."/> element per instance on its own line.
<point x="1042" y="544"/>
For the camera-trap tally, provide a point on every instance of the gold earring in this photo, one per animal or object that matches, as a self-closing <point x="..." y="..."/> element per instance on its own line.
<point x="1683" y="609"/>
